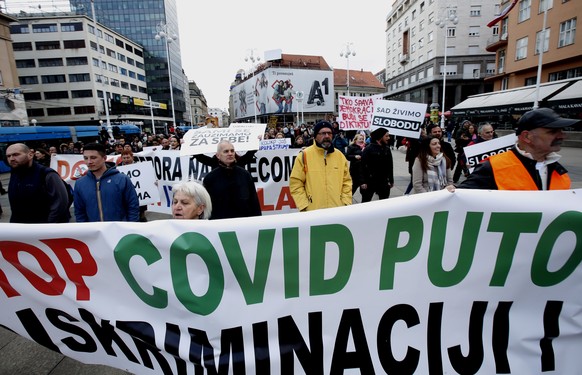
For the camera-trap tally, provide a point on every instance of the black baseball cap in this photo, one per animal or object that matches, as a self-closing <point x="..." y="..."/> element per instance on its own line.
<point x="543" y="118"/>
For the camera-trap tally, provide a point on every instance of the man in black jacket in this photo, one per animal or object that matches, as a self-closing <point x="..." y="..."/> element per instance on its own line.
<point x="36" y="193"/>
<point x="231" y="187"/>
<point x="377" y="166"/>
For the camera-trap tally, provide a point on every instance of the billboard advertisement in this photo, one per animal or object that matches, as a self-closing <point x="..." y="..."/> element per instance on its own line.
<point x="280" y="90"/>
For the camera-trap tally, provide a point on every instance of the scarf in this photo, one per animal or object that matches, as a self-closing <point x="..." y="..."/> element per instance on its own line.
<point x="436" y="172"/>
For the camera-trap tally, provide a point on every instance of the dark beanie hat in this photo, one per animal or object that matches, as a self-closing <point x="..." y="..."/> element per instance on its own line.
<point x="378" y="133"/>
<point x="320" y="125"/>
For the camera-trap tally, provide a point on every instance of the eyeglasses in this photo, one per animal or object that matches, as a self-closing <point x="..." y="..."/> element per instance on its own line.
<point x="324" y="133"/>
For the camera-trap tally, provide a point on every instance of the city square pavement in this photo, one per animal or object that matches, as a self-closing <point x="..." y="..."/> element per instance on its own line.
<point x="22" y="356"/>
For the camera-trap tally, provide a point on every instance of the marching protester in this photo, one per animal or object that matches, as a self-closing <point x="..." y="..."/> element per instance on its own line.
<point x="104" y="194"/>
<point x="354" y="156"/>
<point x="436" y="131"/>
<point x="532" y="163"/>
<point x="432" y="168"/>
<point x="36" y="193"/>
<point x="231" y="187"/>
<point x="466" y="134"/>
<point x="190" y="201"/>
<point x="128" y="159"/>
<point x="377" y="166"/>
<point x="485" y="133"/>
<point x="320" y="177"/>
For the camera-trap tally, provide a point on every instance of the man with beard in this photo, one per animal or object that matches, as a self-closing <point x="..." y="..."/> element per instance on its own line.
<point x="377" y="166"/>
<point x="36" y="193"/>
<point x="532" y="164"/>
<point x="321" y="177"/>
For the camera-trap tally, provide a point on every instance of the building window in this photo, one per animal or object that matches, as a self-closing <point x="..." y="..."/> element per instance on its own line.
<point x="43" y="63"/>
<point x="19" y="29"/>
<point x="54" y="78"/>
<point x="524" y="10"/>
<point x="73" y="44"/>
<point x="567" y="32"/>
<point x="35" y="112"/>
<point x="474" y="30"/>
<point x="56" y="95"/>
<point x="530" y="81"/>
<point x="32" y="96"/>
<point x="431" y="18"/>
<point x="43" y="46"/>
<point x="60" y="111"/>
<point x="73" y="26"/>
<point x="45" y="28"/>
<point x="121" y="57"/>
<point x="451" y="32"/>
<point x="545" y="3"/>
<point x="566" y="74"/>
<point x="82" y="93"/>
<point x="80" y="77"/>
<point x="85" y="109"/>
<point x="505" y="83"/>
<point x="430" y="36"/>
<point x="546" y="41"/>
<point x="73" y="61"/>
<point x="111" y="53"/>
<point x="521" y="48"/>
<point x="501" y="62"/>
<point x="475" y="11"/>
<point x="130" y="61"/>
<point x="22" y="46"/>
<point x="28" y="80"/>
<point x="109" y="38"/>
<point x="421" y="25"/>
<point x="29" y="63"/>
<point x="118" y="43"/>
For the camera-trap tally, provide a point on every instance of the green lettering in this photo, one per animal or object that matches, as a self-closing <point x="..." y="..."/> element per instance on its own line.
<point x="291" y="261"/>
<point x="512" y="225"/>
<point x="253" y="291"/>
<point x="321" y="235"/>
<point x="566" y="222"/>
<point x="136" y="245"/>
<point x="437" y="275"/>
<point x="392" y="253"/>
<point x="195" y="243"/>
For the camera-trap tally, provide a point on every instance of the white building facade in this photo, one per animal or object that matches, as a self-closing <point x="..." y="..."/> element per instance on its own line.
<point x="415" y="49"/>
<point x="65" y="71"/>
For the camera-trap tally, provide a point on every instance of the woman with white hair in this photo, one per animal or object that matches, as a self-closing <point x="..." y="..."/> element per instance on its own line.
<point x="190" y="201"/>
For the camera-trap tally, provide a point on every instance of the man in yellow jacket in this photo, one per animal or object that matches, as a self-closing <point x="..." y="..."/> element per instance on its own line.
<point x="532" y="164"/>
<point x="321" y="177"/>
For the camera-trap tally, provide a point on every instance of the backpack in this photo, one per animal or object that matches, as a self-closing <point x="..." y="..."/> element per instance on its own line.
<point x="69" y="188"/>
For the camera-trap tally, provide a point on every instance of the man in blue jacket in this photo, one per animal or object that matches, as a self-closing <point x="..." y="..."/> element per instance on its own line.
<point x="104" y="194"/>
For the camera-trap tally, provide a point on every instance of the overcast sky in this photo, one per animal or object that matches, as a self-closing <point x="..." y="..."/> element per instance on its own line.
<point x="216" y="36"/>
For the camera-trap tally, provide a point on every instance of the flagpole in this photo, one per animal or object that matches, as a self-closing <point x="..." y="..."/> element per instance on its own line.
<point x="540" y="58"/>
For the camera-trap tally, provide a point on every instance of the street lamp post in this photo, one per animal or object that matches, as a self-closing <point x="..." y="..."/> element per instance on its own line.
<point x="450" y="17"/>
<point x="349" y="51"/>
<point x="253" y="59"/>
<point x="164" y="33"/>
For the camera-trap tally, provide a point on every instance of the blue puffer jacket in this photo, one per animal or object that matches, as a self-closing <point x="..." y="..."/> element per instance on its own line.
<point x="111" y="198"/>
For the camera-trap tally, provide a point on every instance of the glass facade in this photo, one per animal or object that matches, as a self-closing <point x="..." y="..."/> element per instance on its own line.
<point x="137" y="20"/>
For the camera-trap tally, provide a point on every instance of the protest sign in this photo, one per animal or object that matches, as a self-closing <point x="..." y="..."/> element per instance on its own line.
<point x="144" y="181"/>
<point x="430" y="283"/>
<point x="275" y="144"/>
<point x="399" y="118"/>
<point x="354" y="113"/>
<point x="244" y="137"/>
<point x="478" y="152"/>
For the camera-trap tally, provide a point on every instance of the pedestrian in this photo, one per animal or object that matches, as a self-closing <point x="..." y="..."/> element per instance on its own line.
<point x="436" y="131"/>
<point x="432" y="169"/>
<point x="321" y="177"/>
<point x="104" y="194"/>
<point x="485" y="133"/>
<point x="42" y="157"/>
<point x="127" y="158"/>
<point x="340" y="142"/>
<point x="190" y="201"/>
<point x="377" y="166"/>
<point x="466" y="134"/>
<point x="354" y="156"/>
<point x="231" y="188"/>
<point x="532" y="163"/>
<point x="36" y="193"/>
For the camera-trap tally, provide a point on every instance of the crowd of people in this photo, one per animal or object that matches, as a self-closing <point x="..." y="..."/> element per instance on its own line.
<point x="331" y="166"/>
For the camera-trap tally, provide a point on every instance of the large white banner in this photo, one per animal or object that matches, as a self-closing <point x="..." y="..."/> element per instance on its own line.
<point x="270" y="172"/>
<point x="434" y="283"/>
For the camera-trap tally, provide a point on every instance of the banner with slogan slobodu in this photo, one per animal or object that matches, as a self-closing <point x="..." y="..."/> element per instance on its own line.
<point x="436" y="283"/>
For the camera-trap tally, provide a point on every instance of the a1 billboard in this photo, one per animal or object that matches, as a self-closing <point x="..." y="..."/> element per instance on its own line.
<point x="279" y="90"/>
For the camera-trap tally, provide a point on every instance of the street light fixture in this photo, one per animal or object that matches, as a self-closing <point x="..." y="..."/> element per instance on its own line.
<point x="33" y="122"/>
<point x="349" y="51"/>
<point x="451" y="18"/>
<point x="164" y="33"/>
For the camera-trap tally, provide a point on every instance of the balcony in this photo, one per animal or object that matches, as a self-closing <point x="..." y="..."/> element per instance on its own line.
<point x="404" y="58"/>
<point x="496" y="42"/>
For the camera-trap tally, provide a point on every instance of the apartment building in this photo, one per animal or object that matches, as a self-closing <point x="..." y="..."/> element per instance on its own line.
<point x="66" y="68"/>
<point x="428" y="39"/>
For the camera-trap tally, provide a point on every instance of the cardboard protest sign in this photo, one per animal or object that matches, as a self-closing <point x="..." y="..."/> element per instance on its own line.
<point x="144" y="181"/>
<point x="243" y="136"/>
<point x="354" y="113"/>
<point x="399" y="118"/>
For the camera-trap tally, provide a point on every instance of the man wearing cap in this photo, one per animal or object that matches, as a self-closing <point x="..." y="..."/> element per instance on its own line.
<point x="320" y="177"/>
<point x="532" y="164"/>
<point x="377" y="166"/>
